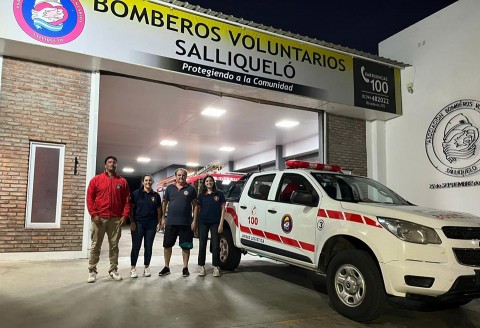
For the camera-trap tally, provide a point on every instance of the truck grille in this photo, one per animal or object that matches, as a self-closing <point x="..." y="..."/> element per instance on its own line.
<point x="467" y="256"/>
<point x="465" y="233"/>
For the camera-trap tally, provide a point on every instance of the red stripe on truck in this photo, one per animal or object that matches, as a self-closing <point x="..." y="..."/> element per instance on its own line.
<point x="280" y="239"/>
<point x="234" y="215"/>
<point x="257" y="232"/>
<point x="290" y="241"/>
<point x="372" y="222"/>
<point x="351" y="217"/>
<point x="335" y="214"/>
<point x="272" y="236"/>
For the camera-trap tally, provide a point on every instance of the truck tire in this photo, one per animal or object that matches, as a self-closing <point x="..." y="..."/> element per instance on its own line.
<point x="355" y="286"/>
<point x="229" y="254"/>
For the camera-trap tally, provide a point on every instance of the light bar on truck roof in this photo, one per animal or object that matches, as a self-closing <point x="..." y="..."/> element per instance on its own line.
<point x="294" y="164"/>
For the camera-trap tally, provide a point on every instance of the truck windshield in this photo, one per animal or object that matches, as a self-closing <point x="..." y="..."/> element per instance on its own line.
<point x="235" y="190"/>
<point x="355" y="189"/>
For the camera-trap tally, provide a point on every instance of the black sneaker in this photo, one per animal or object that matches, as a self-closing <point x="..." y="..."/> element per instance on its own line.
<point x="165" y="271"/>
<point x="185" y="272"/>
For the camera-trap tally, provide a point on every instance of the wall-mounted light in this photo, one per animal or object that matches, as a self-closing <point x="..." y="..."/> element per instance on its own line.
<point x="225" y="148"/>
<point x="408" y="75"/>
<point x="75" y="171"/>
<point x="409" y="87"/>
<point x="192" y="164"/>
<point x="128" y="170"/>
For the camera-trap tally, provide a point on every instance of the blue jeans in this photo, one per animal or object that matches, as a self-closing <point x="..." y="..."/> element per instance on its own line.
<point x="214" y="243"/>
<point x="146" y="230"/>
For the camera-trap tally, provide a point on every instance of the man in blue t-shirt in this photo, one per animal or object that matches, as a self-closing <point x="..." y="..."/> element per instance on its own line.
<point x="181" y="199"/>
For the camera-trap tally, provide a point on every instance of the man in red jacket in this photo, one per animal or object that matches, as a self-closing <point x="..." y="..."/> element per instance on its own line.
<point x="108" y="203"/>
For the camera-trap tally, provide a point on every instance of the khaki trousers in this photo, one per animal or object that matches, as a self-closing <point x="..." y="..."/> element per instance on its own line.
<point x="113" y="229"/>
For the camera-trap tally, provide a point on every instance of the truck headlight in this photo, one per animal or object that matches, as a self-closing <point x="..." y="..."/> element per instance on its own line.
<point x="411" y="232"/>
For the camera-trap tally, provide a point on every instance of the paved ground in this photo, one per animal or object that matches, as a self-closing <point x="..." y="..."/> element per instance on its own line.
<point x="260" y="294"/>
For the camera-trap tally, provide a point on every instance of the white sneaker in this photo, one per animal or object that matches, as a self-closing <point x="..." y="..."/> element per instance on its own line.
<point x="115" y="275"/>
<point x="202" y="272"/>
<point x="147" y="272"/>
<point x="133" y="274"/>
<point x="92" y="276"/>
<point x="216" y="272"/>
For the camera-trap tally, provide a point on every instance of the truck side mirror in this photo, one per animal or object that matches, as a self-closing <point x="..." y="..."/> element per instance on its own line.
<point x="304" y="197"/>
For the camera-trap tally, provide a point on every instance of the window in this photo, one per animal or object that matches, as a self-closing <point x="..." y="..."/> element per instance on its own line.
<point x="290" y="183"/>
<point x="260" y="187"/>
<point x="45" y="185"/>
<point x="235" y="190"/>
<point x="350" y="188"/>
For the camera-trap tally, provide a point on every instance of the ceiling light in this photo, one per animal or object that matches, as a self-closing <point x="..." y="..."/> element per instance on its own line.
<point x="227" y="149"/>
<point x="143" y="159"/>
<point x="167" y="142"/>
<point x="216" y="112"/>
<point x="192" y="164"/>
<point x="286" y="124"/>
<point x="128" y="170"/>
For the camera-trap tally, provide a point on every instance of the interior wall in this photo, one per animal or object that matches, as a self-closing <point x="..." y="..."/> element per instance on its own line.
<point x="444" y="51"/>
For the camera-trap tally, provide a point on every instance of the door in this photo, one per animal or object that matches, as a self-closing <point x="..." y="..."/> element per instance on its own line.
<point x="290" y="228"/>
<point x="252" y="209"/>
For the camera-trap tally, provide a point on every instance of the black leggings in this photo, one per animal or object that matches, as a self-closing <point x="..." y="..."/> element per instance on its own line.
<point x="146" y="230"/>
<point x="214" y="243"/>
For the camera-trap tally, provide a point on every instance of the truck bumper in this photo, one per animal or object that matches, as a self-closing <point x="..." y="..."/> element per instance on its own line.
<point x="427" y="281"/>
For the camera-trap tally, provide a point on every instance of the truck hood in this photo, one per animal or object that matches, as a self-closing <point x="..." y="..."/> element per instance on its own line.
<point x="430" y="217"/>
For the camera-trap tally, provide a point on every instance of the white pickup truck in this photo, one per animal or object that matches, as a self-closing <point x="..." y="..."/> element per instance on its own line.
<point x="370" y="242"/>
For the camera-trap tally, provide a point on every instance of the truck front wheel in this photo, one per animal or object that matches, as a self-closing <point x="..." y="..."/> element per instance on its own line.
<point x="355" y="286"/>
<point x="229" y="254"/>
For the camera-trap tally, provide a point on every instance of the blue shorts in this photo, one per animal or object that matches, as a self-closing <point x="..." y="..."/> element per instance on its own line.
<point x="184" y="234"/>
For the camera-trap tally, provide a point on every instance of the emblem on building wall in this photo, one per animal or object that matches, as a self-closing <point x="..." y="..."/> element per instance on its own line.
<point x="452" y="140"/>
<point x="50" y="21"/>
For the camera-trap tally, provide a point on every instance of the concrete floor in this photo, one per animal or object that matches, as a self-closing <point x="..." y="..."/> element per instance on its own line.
<point x="260" y="293"/>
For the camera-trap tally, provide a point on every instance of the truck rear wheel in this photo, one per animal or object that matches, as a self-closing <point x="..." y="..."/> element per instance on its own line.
<point x="355" y="286"/>
<point x="229" y="254"/>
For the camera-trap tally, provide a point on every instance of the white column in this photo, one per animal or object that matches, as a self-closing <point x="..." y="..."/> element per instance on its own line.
<point x="91" y="153"/>
<point x="376" y="151"/>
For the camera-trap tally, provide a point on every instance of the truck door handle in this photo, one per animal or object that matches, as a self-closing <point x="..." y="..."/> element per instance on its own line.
<point x="243" y="207"/>
<point x="272" y="211"/>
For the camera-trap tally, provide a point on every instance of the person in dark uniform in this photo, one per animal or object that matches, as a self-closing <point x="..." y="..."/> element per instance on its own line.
<point x="146" y="217"/>
<point x="181" y="199"/>
<point x="209" y="214"/>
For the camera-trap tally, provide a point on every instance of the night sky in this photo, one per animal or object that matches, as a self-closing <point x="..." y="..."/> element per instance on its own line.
<point x="360" y="25"/>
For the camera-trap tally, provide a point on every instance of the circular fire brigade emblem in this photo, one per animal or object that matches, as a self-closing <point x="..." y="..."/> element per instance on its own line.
<point x="287" y="223"/>
<point x="452" y="140"/>
<point x="153" y="199"/>
<point x="216" y="198"/>
<point x="185" y="193"/>
<point x="50" y="21"/>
